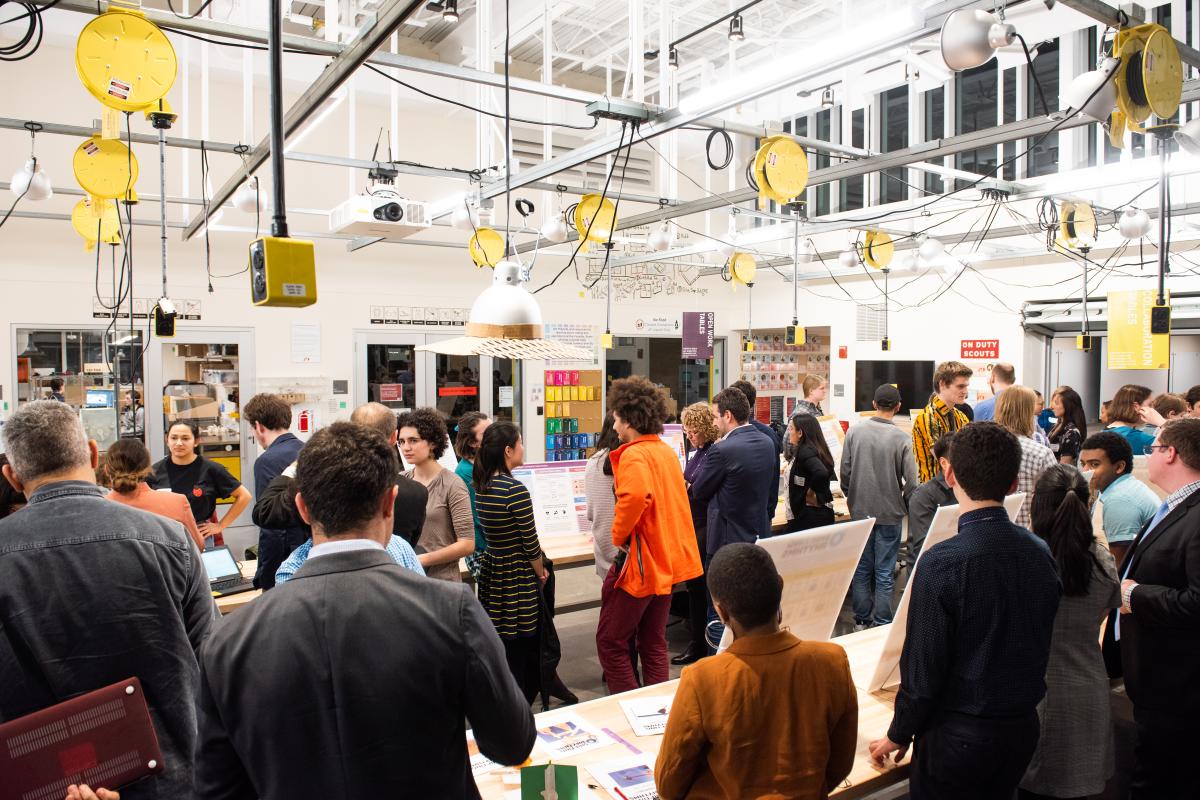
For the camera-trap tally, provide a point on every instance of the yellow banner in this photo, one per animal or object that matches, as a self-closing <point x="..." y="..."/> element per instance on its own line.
<point x="1130" y="343"/>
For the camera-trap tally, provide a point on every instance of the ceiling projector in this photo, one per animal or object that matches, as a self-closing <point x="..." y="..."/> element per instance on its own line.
<point x="385" y="214"/>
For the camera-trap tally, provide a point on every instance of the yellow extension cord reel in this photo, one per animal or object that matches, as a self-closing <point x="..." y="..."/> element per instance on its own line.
<point x="124" y="60"/>
<point x="780" y="169"/>
<point x="1149" y="79"/>
<point x="487" y="247"/>
<point x="595" y="218"/>
<point x="96" y="216"/>
<point x="742" y="267"/>
<point x="1077" y="225"/>
<point x="878" y="249"/>
<point x="106" y="168"/>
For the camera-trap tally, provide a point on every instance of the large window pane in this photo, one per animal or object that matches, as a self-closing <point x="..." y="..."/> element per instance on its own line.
<point x="894" y="136"/>
<point x="393" y="382"/>
<point x="457" y="384"/>
<point x="975" y="109"/>
<point x="934" y="129"/>
<point x="824" y="133"/>
<point x="853" y="188"/>
<point x="1043" y="160"/>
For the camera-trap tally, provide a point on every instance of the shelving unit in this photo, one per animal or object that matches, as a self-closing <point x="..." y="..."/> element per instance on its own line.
<point x="574" y="413"/>
<point x="777" y="370"/>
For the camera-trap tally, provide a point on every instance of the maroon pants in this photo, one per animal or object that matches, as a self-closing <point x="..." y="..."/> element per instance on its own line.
<point x="624" y="617"/>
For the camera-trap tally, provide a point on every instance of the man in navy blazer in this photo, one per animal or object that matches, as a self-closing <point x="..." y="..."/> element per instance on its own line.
<point x="747" y="388"/>
<point x="736" y="479"/>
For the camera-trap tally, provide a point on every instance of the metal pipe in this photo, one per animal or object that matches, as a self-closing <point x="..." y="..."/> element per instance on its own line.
<point x="162" y="207"/>
<point x="1118" y="18"/>
<point x="1164" y="205"/>
<point x="275" y="48"/>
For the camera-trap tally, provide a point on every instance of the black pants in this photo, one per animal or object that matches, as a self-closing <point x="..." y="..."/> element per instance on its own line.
<point x="962" y="756"/>
<point x="523" y="654"/>
<point x="1024" y="795"/>
<point x="810" y="517"/>
<point x="1163" y="769"/>
<point x="697" y="591"/>
<point x="273" y="549"/>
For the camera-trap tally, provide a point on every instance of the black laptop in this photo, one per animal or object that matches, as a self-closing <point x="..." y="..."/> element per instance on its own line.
<point x="223" y="573"/>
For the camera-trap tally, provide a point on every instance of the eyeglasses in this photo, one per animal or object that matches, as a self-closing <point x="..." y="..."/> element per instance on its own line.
<point x="1150" y="448"/>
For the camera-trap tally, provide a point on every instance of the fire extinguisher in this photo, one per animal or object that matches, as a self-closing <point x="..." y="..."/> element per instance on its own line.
<point x="304" y="422"/>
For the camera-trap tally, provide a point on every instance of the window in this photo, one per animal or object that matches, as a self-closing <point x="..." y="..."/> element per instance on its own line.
<point x="1043" y="159"/>
<point x="934" y="129"/>
<point x="894" y="136"/>
<point x="852" y="188"/>
<point x="1009" y="114"/>
<point x="824" y="126"/>
<point x="975" y="109"/>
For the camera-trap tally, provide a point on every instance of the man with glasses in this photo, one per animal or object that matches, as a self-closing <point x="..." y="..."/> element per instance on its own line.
<point x="1158" y="627"/>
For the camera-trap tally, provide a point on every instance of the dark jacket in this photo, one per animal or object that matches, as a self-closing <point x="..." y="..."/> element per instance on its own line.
<point x="808" y="472"/>
<point x="1160" y="640"/>
<point x="691" y="473"/>
<point x="276" y="508"/>
<point x="93" y="592"/>
<point x="769" y="432"/>
<point x="363" y="674"/>
<point x="736" y="481"/>
<point x="926" y="499"/>
<point x="268" y="466"/>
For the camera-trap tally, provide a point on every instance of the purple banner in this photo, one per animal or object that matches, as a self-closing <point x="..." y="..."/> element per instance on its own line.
<point x="698" y="328"/>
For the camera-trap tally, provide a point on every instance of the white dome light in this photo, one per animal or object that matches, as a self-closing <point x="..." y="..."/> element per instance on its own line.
<point x="31" y="182"/>
<point x="848" y="259"/>
<point x="909" y="262"/>
<point x="1093" y="93"/>
<point x="554" y="230"/>
<point x="660" y="238"/>
<point x="250" y="197"/>
<point x="1134" y="223"/>
<point x="930" y="248"/>
<point x="505" y="309"/>
<point x="970" y="37"/>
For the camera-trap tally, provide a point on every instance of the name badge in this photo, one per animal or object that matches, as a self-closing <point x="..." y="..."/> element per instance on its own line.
<point x="799" y="480"/>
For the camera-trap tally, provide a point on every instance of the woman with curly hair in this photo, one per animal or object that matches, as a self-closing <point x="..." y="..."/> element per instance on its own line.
<point x="449" y="530"/>
<point x="652" y="527"/>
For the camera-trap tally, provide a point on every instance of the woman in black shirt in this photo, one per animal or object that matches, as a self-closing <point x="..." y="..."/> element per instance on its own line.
<point x="202" y="481"/>
<point x="1070" y="427"/>
<point x="808" y="479"/>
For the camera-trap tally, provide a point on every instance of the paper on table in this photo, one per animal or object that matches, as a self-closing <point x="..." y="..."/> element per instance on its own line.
<point x="943" y="526"/>
<point x="633" y="775"/>
<point x="564" y="735"/>
<point x="480" y="764"/>
<point x="648" y="715"/>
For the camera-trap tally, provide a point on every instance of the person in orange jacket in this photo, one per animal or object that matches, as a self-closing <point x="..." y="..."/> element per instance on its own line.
<point x="652" y="527"/>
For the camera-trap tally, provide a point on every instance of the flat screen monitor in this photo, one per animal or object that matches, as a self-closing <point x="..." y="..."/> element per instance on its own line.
<point x="98" y="398"/>
<point x="913" y="378"/>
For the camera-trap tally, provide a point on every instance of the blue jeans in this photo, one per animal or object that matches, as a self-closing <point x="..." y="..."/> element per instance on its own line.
<point x="877" y="565"/>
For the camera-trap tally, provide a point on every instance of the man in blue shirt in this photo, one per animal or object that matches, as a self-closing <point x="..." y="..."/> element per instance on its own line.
<point x="1127" y="504"/>
<point x="269" y="417"/>
<point x="751" y="393"/>
<point x="1003" y="376"/>
<point x="980" y="618"/>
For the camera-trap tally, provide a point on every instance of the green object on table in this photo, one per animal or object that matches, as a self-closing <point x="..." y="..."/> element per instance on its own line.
<point x="550" y="782"/>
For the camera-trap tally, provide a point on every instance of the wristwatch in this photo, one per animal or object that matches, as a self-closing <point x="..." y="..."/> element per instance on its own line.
<point x="1127" y="595"/>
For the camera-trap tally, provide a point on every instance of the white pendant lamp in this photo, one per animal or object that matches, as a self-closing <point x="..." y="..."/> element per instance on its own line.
<point x="1094" y="94"/>
<point x="930" y="248"/>
<point x="250" y="197"/>
<point x="31" y="182"/>
<point x="1134" y="223"/>
<point x="554" y="230"/>
<point x="848" y="259"/>
<point x="1188" y="137"/>
<point x="660" y="238"/>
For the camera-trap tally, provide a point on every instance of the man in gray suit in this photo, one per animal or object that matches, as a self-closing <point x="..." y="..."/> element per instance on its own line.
<point x="353" y="679"/>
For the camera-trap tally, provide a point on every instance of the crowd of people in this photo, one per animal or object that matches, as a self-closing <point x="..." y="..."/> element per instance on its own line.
<point x="365" y="618"/>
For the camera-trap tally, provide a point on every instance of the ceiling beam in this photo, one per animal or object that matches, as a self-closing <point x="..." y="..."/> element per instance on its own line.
<point x="337" y="72"/>
<point x="1114" y="18"/>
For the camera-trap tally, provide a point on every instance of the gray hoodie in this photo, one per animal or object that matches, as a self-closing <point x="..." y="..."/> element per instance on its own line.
<point x="878" y="471"/>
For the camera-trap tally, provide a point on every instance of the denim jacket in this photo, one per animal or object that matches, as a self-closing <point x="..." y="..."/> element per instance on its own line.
<point x="93" y="592"/>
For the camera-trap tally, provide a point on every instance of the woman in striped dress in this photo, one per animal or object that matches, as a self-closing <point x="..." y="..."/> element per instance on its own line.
<point x="511" y="572"/>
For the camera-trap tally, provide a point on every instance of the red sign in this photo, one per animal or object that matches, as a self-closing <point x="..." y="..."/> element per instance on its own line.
<point x="980" y="348"/>
<point x="391" y="392"/>
<point x="458" y="391"/>
<point x="843" y="351"/>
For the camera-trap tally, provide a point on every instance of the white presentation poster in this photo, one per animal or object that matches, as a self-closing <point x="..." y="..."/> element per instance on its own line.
<point x="559" y="502"/>
<point x="630" y="777"/>
<point x="834" y="435"/>
<point x="943" y="526"/>
<point x="648" y="715"/>
<point x="817" y="566"/>
<point x="568" y="734"/>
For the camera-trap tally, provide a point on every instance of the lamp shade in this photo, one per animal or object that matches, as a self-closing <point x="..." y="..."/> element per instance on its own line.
<point x="1134" y="223"/>
<point x="660" y="238"/>
<point x="505" y="310"/>
<point x="970" y="38"/>
<point x="930" y="248"/>
<point x="1188" y="137"/>
<point x="32" y="182"/>
<point x="1094" y="94"/>
<point x="250" y="197"/>
<point x="554" y="230"/>
<point x="848" y="259"/>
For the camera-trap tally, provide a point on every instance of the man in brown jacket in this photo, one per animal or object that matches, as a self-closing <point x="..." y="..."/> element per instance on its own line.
<point x="773" y="716"/>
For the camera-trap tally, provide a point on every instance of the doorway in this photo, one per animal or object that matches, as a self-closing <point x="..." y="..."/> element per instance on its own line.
<point x="660" y="359"/>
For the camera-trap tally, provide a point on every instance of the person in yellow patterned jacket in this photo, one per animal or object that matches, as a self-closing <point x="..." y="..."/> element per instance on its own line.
<point x="940" y="415"/>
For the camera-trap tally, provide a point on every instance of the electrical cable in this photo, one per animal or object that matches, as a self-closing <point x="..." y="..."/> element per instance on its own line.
<point x="608" y="245"/>
<point x="728" y="149"/>
<point x="193" y="15"/>
<point x="28" y="43"/>
<point x="1037" y="83"/>
<point x="11" y="208"/>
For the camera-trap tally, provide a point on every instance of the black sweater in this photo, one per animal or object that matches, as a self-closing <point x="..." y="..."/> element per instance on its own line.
<point x="808" y="472"/>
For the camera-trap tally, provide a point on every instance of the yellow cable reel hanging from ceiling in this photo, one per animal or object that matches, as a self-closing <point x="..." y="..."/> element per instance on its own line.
<point x="780" y="169"/>
<point x="124" y="60"/>
<point x="106" y="168"/>
<point x="878" y="249"/>
<point x="595" y="218"/>
<point x="1077" y="225"/>
<point x="96" y="216"/>
<point x="1149" y="79"/>
<point x="742" y="267"/>
<point x="487" y="247"/>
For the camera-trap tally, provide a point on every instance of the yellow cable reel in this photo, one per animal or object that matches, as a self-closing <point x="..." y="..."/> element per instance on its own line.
<point x="1149" y="79"/>
<point x="878" y="249"/>
<point x="487" y="247"/>
<point x="124" y="60"/>
<point x="780" y="169"/>
<point x="1077" y="225"/>
<point x="92" y="216"/>
<point x="105" y="168"/>
<point x="742" y="267"/>
<point x="595" y="218"/>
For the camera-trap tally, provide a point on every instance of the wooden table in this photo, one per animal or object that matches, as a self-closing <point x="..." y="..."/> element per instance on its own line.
<point x="865" y="779"/>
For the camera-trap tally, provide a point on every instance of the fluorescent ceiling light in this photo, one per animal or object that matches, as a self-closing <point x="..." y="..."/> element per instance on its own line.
<point x="327" y="107"/>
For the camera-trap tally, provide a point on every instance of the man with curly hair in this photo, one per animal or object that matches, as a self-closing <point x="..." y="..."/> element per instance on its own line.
<point x="652" y="527"/>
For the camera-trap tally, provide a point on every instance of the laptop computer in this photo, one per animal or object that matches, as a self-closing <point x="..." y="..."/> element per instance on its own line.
<point x="223" y="574"/>
<point x="102" y="738"/>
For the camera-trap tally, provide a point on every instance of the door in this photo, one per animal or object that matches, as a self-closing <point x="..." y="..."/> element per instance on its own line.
<point x="203" y="375"/>
<point x="457" y="387"/>
<point x="389" y="370"/>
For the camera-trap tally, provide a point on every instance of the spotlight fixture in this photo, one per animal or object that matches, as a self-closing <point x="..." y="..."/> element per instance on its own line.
<point x="827" y="97"/>
<point x="736" y="28"/>
<point x="450" y="11"/>
<point x="1134" y="223"/>
<point x="1094" y="93"/>
<point x="848" y="259"/>
<point x="1188" y="137"/>
<point x="31" y="182"/>
<point x="673" y="58"/>
<point x="970" y="37"/>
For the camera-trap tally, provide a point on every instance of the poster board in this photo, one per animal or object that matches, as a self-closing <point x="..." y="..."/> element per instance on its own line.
<point x="674" y="436"/>
<point x="1131" y="345"/>
<point x="943" y="526"/>
<point x="559" y="502"/>
<point x="817" y="566"/>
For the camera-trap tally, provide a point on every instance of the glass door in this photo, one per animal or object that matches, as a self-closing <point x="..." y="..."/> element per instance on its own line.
<point x="456" y="384"/>
<point x="389" y="370"/>
<point x="202" y="376"/>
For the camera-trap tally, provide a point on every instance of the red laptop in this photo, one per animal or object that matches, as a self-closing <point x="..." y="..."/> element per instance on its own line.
<point x="103" y="738"/>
